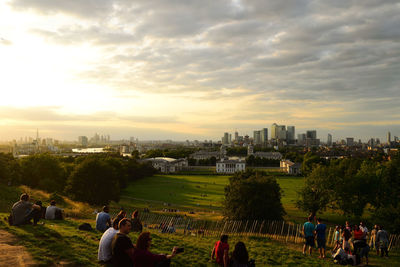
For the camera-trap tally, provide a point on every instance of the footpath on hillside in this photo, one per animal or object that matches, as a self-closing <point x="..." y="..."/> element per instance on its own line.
<point x="12" y="254"/>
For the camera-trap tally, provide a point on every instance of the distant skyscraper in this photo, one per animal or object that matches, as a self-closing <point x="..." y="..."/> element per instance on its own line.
<point x="264" y="136"/>
<point x="278" y="132"/>
<point x="257" y="137"/>
<point x="311" y="134"/>
<point x="225" y="139"/>
<point x="329" y="141"/>
<point x="389" y="138"/>
<point x="350" y="141"/>
<point x="291" y="134"/>
<point x="301" y="139"/>
<point x="236" y="136"/>
<point x="274" y="134"/>
<point x="83" y="140"/>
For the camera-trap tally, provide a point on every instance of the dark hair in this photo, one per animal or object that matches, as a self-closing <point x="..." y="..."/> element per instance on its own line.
<point x="105" y="209"/>
<point x="310" y="218"/>
<point x="135" y="213"/>
<point x="224" y="238"/>
<point x="319" y="220"/>
<point x="123" y="222"/>
<point x="240" y="253"/>
<point x="115" y="222"/>
<point x="24" y="197"/>
<point x="53" y="202"/>
<point x="143" y="241"/>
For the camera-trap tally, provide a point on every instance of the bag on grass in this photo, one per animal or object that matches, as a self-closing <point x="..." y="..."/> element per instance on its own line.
<point x="85" y="227"/>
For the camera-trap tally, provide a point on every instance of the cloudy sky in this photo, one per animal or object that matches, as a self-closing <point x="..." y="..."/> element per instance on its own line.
<point x="195" y="69"/>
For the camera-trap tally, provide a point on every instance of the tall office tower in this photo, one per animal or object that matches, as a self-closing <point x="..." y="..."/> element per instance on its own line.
<point x="236" y="136"/>
<point x="230" y="139"/>
<point x="264" y="136"/>
<point x="83" y="140"/>
<point x="282" y="132"/>
<point x="225" y="139"/>
<point x="301" y="139"/>
<point x="350" y="141"/>
<point x="311" y="134"/>
<point x="389" y="138"/>
<point x="274" y="134"/>
<point x="290" y="134"/>
<point x="257" y="137"/>
<point x="329" y="141"/>
<point x="396" y="139"/>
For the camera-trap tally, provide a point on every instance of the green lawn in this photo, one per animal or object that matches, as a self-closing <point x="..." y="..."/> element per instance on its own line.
<point x="199" y="193"/>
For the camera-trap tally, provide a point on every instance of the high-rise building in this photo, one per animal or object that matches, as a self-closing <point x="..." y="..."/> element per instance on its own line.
<point x="301" y="139"/>
<point x="257" y="137"/>
<point x="329" y="140"/>
<point x="264" y="136"/>
<point x="274" y="134"/>
<point x="236" y="136"/>
<point x="83" y="140"/>
<point x="389" y="138"/>
<point x="291" y="134"/>
<point x="311" y="134"/>
<point x="225" y="139"/>
<point x="350" y="141"/>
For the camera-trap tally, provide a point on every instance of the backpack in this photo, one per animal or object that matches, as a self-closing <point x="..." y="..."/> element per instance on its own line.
<point x="85" y="227"/>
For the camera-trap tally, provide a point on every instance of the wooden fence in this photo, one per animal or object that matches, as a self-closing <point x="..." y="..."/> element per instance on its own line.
<point x="277" y="230"/>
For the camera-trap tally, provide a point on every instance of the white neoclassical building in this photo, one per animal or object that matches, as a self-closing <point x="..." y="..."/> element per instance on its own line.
<point x="290" y="167"/>
<point x="167" y="165"/>
<point x="230" y="166"/>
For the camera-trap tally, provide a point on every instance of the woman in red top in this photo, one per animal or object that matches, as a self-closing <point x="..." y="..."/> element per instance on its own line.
<point x="142" y="257"/>
<point x="220" y="251"/>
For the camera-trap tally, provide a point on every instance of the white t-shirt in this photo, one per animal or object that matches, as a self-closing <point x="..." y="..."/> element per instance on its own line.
<point x="105" y="252"/>
<point x="51" y="212"/>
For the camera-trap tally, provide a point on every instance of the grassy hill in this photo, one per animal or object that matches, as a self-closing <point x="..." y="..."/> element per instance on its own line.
<point x="61" y="243"/>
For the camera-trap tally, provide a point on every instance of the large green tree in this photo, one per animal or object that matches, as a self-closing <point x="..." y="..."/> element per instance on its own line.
<point x="253" y="195"/>
<point x="43" y="171"/>
<point x="94" y="181"/>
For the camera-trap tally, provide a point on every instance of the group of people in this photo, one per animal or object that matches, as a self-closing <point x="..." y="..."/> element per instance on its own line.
<point x="25" y="212"/>
<point x="239" y="257"/>
<point x="345" y="237"/>
<point x="117" y="249"/>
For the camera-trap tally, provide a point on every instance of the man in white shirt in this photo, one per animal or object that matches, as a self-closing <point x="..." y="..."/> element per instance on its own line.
<point x="105" y="251"/>
<point x="365" y="230"/>
<point x="53" y="212"/>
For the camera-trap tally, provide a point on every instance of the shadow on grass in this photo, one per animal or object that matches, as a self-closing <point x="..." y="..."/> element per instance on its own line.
<point x="57" y="243"/>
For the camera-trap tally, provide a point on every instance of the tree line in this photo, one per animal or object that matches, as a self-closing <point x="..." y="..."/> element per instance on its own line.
<point x="95" y="179"/>
<point x="354" y="187"/>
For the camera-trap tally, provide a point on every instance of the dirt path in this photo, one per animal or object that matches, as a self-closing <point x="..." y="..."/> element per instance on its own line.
<point x="11" y="254"/>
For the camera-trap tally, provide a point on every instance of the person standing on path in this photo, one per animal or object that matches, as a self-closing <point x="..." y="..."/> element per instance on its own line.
<point x="320" y="230"/>
<point x="308" y="230"/>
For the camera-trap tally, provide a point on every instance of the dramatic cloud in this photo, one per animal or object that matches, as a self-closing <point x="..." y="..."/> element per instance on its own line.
<point x="214" y="66"/>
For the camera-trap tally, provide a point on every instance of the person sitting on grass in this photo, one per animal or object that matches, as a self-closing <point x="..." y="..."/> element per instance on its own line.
<point x="221" y="251"/>
<point x="320" y="229"/>
<point x="240" y="256"/>
<point x="103" y="220"/>
<point x="142" y="257"/>
<point x="23" y="211"/>
<point x="137" y="225"/>
<point x="53" y="212"/>
<point x="105" y="252"/>
<point x="121" y="245"/>
<point x="308" y="231"/>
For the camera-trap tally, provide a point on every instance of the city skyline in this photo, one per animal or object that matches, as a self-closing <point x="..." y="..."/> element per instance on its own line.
<point x="157" y="70"/>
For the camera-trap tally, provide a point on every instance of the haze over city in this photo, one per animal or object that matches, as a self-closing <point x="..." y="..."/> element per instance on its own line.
<point x="196" y="69"/>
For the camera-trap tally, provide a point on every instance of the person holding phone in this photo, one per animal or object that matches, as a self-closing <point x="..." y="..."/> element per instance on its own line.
<point x="142" y="257"/>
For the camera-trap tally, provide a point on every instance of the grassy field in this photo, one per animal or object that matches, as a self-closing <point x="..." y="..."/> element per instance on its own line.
<point x="201" y="193"/>
<point x="60" y="242"/>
